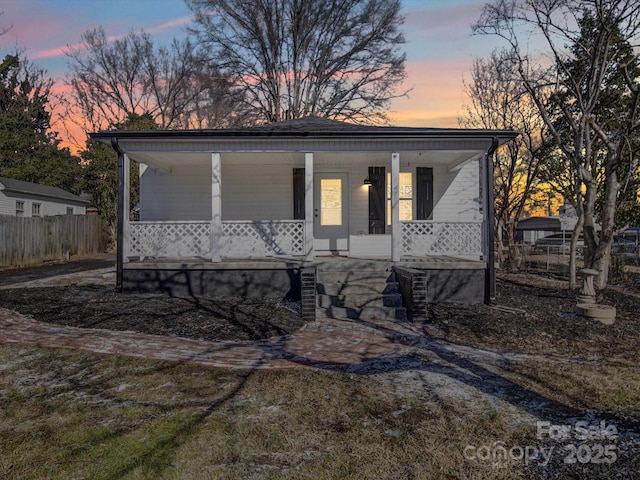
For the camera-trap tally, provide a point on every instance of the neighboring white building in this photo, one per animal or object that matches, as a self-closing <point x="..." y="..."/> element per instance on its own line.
<point x="26" y="199"/>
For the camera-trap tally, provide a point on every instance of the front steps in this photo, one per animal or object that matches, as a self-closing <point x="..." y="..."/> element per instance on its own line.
<point x="358" y="290"/>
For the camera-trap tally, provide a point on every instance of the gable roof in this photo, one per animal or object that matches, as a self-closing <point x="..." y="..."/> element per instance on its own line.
<point x="29" y="188"/>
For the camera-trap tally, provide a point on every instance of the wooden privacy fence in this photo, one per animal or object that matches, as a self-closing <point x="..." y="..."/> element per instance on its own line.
<point x="29" y="240"/>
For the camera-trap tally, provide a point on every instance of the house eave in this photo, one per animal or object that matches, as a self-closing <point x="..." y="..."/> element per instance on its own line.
<point x="380" y="134"/>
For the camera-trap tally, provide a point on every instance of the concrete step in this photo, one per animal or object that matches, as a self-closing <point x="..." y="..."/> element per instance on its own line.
<point x="360" y="300"/>
<point x="366" y="313"/>
<point x="353" y="265"/>
<point x="359" y="276"/>
<point x="357" y="288"/>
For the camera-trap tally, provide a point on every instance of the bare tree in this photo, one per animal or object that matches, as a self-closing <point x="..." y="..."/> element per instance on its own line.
<point x="569" y="84"/>
<point x="294" y="58"/>
<point x="114" y="79"/>
<point x="498" y="101"/>
<point x="4" y="30"/>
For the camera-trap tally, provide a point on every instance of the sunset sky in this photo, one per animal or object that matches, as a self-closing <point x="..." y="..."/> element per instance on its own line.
<point x="439" y="45"/>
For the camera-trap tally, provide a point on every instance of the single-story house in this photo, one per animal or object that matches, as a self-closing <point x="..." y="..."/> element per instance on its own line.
<point x="27" y="199"/>
<point x="250" y="210"/>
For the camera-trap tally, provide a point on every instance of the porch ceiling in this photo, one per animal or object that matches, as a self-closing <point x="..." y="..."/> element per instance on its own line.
<point x="452" y="159"/>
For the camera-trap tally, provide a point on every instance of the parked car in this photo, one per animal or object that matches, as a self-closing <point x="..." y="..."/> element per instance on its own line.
<point x="623" y="245"/>
<point x="557" y="243"/>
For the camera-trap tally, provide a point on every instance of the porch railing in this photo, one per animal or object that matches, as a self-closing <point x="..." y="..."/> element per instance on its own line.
<point x="262" y="238"/>
<point x="240" y="239"/>
<point x="170" y="239"/>
<point x="456" y="239"/>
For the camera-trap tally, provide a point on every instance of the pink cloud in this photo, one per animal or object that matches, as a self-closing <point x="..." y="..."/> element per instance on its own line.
<point x="176" y="22"/>
<point x="43" y="33"/>
<point x="58" y="51"/>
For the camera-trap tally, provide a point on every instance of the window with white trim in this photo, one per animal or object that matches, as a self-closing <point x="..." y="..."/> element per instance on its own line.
<point x="406" y="197"/>
<point x="69" y="210"/>
<point x="35" y="209"/>
<point x="19" y="208"/>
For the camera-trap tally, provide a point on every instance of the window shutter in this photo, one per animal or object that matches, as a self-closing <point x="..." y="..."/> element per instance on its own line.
<point x="377" y="200"/>
<point x="424" y="193"/>
<point x="298" y="194"/>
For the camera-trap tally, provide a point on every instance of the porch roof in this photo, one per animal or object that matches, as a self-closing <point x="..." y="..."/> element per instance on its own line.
<point x="165" y="148"/>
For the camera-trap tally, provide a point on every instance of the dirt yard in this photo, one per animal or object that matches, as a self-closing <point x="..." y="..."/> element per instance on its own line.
<point x="536" y="314"/>
<point x="198" y="318"/>
<point x="533" y="314"/>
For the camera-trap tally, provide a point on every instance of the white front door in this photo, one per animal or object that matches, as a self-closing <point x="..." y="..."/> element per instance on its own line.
<point x="331" y="212"/>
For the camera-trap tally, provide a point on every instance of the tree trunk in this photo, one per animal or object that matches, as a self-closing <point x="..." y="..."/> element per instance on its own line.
<point x="498" y="243"/>
<point x="577" y="230"/>
<point x="514" y="252"/>
<point x="589" y="230"/>
<point x="602" y="257"/>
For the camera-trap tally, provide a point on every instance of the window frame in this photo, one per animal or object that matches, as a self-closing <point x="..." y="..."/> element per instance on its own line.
<point x="36" y="209"/>
<point x="20" y="204"/>
<point x="411" y="199"/>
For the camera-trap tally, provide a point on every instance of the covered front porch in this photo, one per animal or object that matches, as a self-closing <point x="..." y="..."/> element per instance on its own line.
<point x="233" y="206"/>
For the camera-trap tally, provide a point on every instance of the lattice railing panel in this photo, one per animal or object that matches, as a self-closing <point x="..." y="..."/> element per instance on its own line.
<point x="423" y="238"/>
<point x="170" y="239"/>
<point x="262" y="238"/>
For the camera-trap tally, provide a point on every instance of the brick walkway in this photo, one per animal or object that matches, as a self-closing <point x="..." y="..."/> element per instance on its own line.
<point x="326" y="343"/>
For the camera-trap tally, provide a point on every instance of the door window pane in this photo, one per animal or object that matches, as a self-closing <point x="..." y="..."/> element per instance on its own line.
<point x="330" y="201"/>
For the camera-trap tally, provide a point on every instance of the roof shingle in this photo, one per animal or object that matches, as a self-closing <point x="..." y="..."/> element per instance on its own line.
<point x="20" y="186"/>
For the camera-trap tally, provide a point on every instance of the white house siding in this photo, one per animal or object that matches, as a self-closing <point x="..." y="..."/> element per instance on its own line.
<point x="263" y="192"/>
<point x="249" y="192"/>
<point x="456" y="194"/>
<point x="257" y="192"/>
<point x="55" y="208"/>
<point x="47" y="207"/>
<point x="182" y="194"/>
<point x="7" y="205"/>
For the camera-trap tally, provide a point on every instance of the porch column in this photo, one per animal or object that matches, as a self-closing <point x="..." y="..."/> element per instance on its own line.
<point x="120" y="252"/>
<point x="489" y="226"/>
<point x="396" y="227"/>
<point x="126" y="208"/>
<point x="216" y="207"/>
<point x="308" y="207"/>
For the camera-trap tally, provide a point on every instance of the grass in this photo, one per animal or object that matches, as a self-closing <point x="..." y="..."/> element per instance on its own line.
<point x="77" y="415"/>
<point x="607" y="386"/>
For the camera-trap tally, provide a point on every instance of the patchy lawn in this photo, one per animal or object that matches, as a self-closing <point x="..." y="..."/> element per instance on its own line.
<point x="77" y="415"/>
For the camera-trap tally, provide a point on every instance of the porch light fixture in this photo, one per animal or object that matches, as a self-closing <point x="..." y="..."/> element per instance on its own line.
<point x="367" y="182"/>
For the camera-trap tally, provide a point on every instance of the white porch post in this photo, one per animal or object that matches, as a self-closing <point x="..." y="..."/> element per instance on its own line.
<point x="126" y="231"/>
<point x="396" y="228"/>
<point x="216" y="207"/>
<point x="308" y="207"/>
